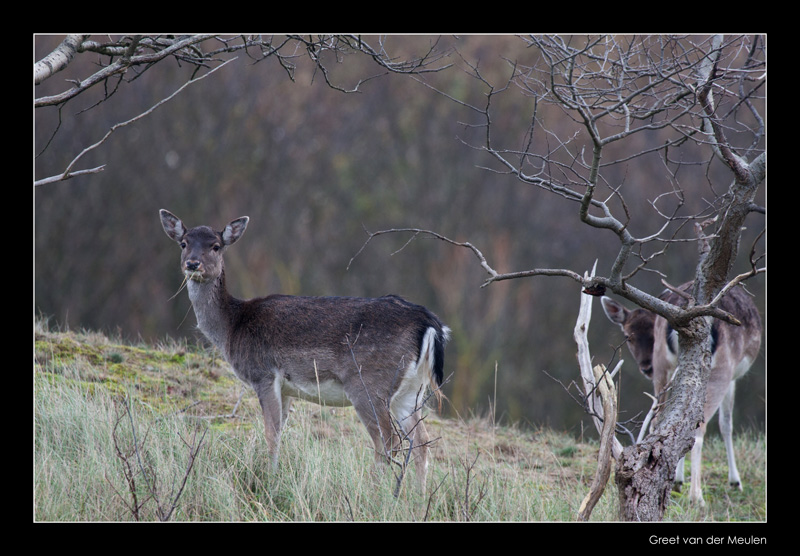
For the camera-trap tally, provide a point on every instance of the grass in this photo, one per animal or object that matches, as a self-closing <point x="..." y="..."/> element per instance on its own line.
<point x="162" y="414"/>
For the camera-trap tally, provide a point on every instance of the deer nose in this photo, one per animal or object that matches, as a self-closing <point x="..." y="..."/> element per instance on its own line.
<point x="192" y="265"/>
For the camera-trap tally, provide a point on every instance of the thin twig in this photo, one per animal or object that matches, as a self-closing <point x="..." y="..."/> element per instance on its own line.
<point x="494" y="276"/>
<point x="68" y="173"/>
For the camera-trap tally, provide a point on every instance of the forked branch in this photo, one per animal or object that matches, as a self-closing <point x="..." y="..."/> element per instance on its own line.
<point x="494" y="276"/>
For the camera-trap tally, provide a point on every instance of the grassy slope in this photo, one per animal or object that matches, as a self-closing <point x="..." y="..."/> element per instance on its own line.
<point x="479" y="472"/>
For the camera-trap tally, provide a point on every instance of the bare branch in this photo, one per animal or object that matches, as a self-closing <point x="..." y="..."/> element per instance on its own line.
<point x="120" y="66"/>
<point x="58" y="59"/>
<point x="69" y="173"/>
<point x="494" y="276"/>
<point x="593" y="383"/>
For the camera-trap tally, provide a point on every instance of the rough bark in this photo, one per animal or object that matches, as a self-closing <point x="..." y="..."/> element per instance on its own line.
<point x="646" y="471"/>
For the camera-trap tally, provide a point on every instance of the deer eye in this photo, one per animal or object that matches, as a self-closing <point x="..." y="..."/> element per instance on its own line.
<point x="216" y="247"/>
<point x="183" y="245"/>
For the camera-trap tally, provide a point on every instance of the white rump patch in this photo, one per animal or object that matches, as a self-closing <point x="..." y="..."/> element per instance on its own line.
<point x="416" y="380"/>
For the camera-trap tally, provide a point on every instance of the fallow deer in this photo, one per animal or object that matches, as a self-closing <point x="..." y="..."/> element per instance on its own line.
<point x="379" y="355"/>
<point x="653" y="344"/>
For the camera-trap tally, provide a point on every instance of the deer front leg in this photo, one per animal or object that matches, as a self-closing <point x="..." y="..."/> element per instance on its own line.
<point x="272" y="408"/>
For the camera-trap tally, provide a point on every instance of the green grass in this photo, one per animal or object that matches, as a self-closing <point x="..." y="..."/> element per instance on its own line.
<point x="93" y="394"/>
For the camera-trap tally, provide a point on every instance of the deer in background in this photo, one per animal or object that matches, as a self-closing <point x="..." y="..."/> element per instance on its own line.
<point x="379" y="355"/>
<point x="653" y="344"/>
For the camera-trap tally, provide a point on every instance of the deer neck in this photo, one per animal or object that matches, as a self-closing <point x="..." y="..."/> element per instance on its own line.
<point x="213" y="308"/>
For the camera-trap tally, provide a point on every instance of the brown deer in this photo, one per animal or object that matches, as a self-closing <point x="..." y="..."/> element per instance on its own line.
<point x="379" y="355"/>
<point x="653" y="344"/>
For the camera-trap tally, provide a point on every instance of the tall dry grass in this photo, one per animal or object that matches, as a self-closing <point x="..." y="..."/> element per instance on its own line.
<point x="95" y="400"/>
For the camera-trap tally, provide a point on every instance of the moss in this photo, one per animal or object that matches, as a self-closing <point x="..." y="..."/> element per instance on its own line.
<point x="168" y="378"/>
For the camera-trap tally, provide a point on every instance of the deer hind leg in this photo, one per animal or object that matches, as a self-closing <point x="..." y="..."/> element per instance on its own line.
<point x="696" y="488"/>
<point x="388" y="434"/>
<point x="407" y="412"/>
<point x="374" y="415"/>
<point x="419" y="439"/>
<point x="726" y="429"/>
<point x="679" y="475"/>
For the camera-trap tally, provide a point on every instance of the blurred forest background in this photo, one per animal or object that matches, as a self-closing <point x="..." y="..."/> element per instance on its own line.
<point x="314" y="168"/>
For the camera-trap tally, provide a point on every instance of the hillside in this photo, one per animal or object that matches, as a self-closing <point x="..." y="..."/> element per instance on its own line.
<point x="113" y="418"/>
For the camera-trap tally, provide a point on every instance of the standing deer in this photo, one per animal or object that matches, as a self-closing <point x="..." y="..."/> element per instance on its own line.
<point x="653" y="344"/>
<point x="378" y="355"/>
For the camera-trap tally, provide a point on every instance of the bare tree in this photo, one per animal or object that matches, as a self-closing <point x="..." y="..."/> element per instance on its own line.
<point x="619" y="102"/>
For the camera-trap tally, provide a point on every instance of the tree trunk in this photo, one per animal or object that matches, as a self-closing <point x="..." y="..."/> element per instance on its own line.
<point x="645" y="473"/>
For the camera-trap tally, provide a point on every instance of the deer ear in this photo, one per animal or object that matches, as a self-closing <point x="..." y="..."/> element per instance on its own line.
<point x="172" y="225"/>
<point x="234" y="230"/>
<point x="614" y="311"/>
